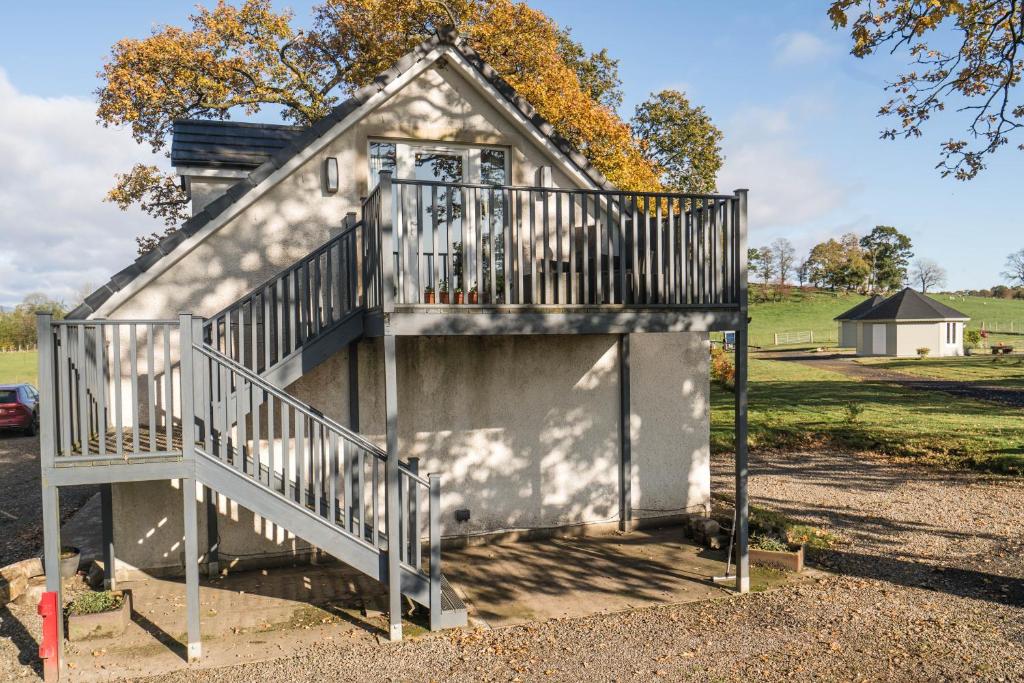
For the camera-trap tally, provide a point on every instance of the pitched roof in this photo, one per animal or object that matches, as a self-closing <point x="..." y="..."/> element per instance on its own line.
<point x="227" y="144"/>
<point x="910" y="305"/>
<point x="861" y="308"/>
<point x="307" y="136"/>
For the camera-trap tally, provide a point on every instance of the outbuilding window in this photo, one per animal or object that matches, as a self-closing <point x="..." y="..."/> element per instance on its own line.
<point x="951" y="333"/>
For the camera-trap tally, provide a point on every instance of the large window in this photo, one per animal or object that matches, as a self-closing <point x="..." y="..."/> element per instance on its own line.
<point x="443" y="162"/>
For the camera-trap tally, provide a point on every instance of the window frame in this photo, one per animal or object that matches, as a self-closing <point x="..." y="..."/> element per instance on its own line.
<point x="405" y="151"/>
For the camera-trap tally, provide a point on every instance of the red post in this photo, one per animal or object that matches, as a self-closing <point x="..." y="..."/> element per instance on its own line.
<point x="49" y="647"/>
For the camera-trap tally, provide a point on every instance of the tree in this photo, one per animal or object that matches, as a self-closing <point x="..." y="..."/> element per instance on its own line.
<point x="245" y="58"/>
<point x="887" y="252"/>
<point x="783" y="254"/>
<point x="1015" y="267"/>
<point x="803" y="271"/>
<point x="839" y="264"/>
<point x="761" y="262"/>
<point x="973" y="67"/>
<point x="927" y="273"/>
<point x="680" y="140"/>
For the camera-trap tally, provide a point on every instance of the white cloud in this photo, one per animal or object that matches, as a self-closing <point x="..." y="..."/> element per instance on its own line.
<point x="800" y="47"/>
<point x="56" y="232"/>
<point x="791" y="190"/>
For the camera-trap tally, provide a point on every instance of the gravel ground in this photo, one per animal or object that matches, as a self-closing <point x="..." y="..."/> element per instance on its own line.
<point x="21" y="517"/>
<point x="929" y="585"/>
<point x="845" y="364"/>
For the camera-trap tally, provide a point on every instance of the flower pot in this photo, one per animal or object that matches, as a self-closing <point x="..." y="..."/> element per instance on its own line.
<point x="445" y="298"/>
<point x="429" y="298"/>
<point x="474" y="298"/>
<point x="70" y="557"/>
<point x="460" y="298"/>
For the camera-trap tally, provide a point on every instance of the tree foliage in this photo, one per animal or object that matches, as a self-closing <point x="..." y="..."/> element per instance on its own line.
<point x="888" y="253"/>
<point x="783" y="254"/>
<point x="680" y="140"/>
<point x="839" y="264"/>
<point x="245" y="58"/>
<point x="974" y="71"/>
<point x="18" y="327"/>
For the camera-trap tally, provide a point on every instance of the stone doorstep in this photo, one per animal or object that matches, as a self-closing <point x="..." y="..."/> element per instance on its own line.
<point x="102" y="624"/>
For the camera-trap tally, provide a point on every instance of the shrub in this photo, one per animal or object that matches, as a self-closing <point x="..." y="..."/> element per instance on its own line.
<point x="972" y="338"/>
<point x="722" y="369"/>
<point x="853" y="411"/>
<point x="923" y="351"/>
<point x="93" y="602"/>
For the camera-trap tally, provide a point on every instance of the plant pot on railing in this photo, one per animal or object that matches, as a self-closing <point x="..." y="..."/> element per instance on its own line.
<point x="445" y="297"/>
<point x="474" y="296"/>
<point x="460" y="297"/>
<point x="429" y="296"/>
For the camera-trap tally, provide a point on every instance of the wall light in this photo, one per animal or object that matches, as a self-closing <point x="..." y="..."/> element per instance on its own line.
<point x="331" y="173"/>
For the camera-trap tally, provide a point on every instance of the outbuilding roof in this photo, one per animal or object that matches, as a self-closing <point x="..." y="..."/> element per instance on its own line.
<point x="306" y="137"/>
<point x="861" y="308"/>
<point x="908" y="304"/>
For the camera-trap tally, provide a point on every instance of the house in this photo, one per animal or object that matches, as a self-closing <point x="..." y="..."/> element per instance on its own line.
<point x="425" y="318"/>
<point x="902" y="324"/>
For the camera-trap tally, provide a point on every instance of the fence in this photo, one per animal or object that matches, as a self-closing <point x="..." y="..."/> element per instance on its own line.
<point x="805" y="337"/>
<point x="1002" y="326"/>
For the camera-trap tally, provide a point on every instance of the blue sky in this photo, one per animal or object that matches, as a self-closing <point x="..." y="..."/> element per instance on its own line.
<point x="798" y="113"/>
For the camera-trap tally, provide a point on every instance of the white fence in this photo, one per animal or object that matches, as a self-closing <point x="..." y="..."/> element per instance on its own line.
<point x="794" y="338"/>
<point x="1004" y="326"/>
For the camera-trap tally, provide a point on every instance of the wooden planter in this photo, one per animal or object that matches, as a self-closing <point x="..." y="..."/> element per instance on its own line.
<point x="101" y="624"/>
<point x="787" y="560"/>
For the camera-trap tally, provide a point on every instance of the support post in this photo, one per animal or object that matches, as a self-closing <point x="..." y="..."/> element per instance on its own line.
<point x="392" y="511"/>
<point x="188" y="495"/>
<point x="107" y="532"/>
<point x="47" y="457"/>
<point x="353" y="386"/>
<point x="625" y="439"/>
<point x="435" y="551"/>
<point x="742" y="504"/>
<point x="212" y="534"/>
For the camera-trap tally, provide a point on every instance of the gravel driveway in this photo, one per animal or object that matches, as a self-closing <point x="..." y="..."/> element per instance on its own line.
<point x="929" y="586"/>
<point x="21" y="517"/>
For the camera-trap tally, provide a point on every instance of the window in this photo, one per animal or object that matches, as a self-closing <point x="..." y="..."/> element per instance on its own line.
<point x="383" y="157"/>
<point x="441" y="161"/>
<point x="951" y="333"/>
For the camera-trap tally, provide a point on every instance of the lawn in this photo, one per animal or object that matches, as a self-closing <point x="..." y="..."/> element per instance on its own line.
<point x="795" y="406"/>
<point x="802" y="310"/>
<point x="19" y="366"/>
<point x="1002" y="371"/>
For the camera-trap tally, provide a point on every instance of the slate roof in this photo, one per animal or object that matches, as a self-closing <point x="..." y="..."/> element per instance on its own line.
<point x="307" y="136"/>
<point x="861" y="308"/>
<point x="227" y="144"/>
<point x="910" y="305"/>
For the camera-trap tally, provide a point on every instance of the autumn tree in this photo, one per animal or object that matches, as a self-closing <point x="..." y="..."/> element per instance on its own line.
<point x="887" y="252"/>
<point x="680" y="139"/>
<point x="839" y="264"/>
<point x="243" y="59"/>
<point x="968" y="57"/>
<point x="926" y="273"/>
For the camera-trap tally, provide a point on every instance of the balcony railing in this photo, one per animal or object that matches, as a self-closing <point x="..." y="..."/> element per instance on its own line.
<point x="494" y="245"/>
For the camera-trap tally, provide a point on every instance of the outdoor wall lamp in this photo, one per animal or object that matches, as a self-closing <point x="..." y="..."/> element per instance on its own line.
<point x="331" y="174"/>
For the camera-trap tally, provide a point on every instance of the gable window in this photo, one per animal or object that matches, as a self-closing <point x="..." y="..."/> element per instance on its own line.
<point x="439" y="161"/>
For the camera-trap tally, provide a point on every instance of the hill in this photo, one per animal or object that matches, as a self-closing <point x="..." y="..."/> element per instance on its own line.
<point x="802" y="310"/>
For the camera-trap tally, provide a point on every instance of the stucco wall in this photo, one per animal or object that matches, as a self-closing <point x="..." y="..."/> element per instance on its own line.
<point x="524" y="430"/>
<point x="904" y="338"/>
<point x="848" y="334"/>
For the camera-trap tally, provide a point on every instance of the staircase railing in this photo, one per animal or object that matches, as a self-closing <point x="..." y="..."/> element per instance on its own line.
<point x="116" y="389"/>
<point x="294" y="306"/>
<point x="300" y="454"/>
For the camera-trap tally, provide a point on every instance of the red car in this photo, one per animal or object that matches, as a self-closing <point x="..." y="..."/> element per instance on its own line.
<point x="19" y="408"/>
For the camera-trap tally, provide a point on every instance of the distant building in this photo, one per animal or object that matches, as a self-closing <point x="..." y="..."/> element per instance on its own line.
<point x="902" y="324"/>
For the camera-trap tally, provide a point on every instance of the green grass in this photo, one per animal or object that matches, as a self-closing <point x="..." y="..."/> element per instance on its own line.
<point x="19" y="366"/>
<point x="94" y="602"/>
<point x="796" y="406"/>
<point x="810" y="310"/>
<point x="1003" y="371"/>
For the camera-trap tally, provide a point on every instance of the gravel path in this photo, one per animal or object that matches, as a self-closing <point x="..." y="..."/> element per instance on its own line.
<point x="929" y="586"/>
<point x="844" y="364"/>
<point x="21" y="517"/>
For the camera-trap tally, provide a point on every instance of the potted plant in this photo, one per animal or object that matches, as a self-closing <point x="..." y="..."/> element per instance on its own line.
<point x="428" y="295"/>
<point x="442" y="288"/>
<point x="99" y="614"/>
<point x="474" y="297"/>
<point x="70" y="557"/>
<point x="460" y="297"/>
<point x="922" y="352"/>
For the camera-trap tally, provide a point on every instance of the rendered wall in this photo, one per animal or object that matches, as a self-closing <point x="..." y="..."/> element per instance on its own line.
<point x="848" y="334"/>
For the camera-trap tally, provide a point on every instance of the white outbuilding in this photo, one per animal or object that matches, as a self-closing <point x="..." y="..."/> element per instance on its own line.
<point x="902" y="324"/>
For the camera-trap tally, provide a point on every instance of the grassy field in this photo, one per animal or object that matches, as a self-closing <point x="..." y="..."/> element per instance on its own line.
<point x="795" y="406"/>
<point x="19" y="366"/>
<point x="999" y="371"/>
<point x="806" y="310"/>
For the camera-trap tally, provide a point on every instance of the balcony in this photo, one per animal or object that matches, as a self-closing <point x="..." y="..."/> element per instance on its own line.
<point x="477" y="259"/>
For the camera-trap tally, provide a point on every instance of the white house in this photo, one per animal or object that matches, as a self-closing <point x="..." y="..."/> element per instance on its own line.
<point x="429" y="280"/>
<point x="902" y="324"/>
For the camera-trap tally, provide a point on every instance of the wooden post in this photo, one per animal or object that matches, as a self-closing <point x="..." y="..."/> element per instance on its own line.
<point x="742" y="505"/>
<point x="387" y="239"/>
<point x="392" y="519"/>
<point x="188" y="494"/>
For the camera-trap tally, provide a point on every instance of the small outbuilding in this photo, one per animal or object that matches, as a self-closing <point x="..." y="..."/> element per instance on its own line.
<point x="905" y="322"/>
